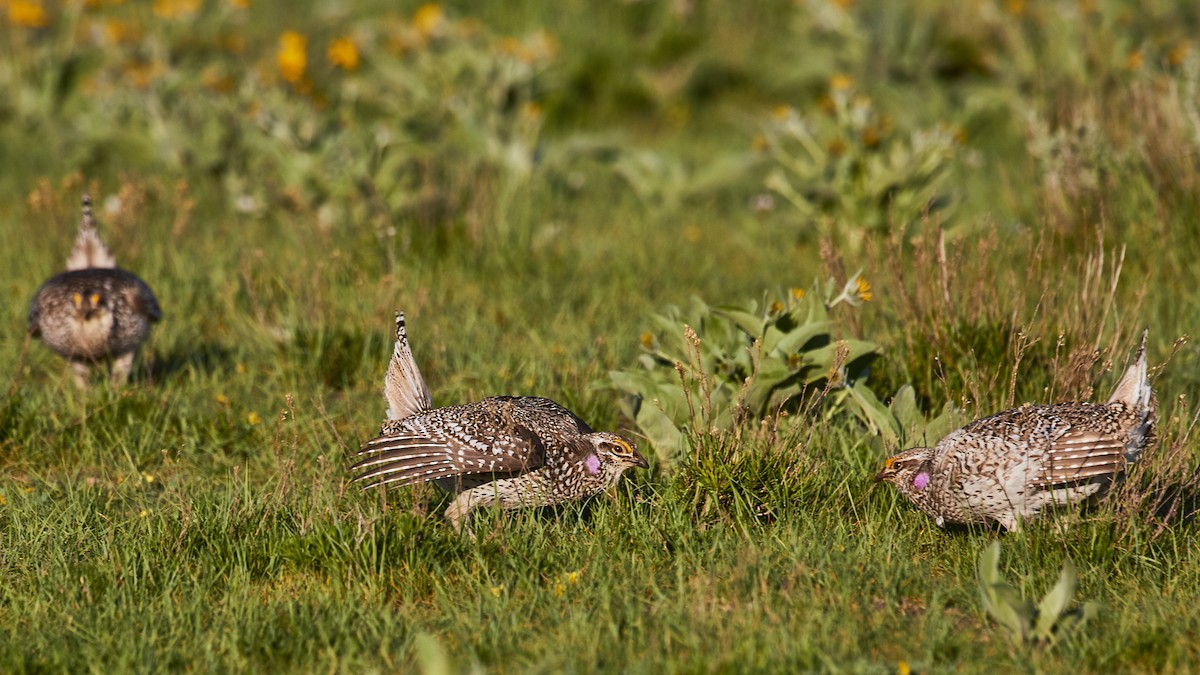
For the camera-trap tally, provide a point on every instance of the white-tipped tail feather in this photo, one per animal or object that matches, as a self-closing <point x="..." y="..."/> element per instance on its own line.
<point x="1134" y="391"/>
<point x="403" y="386"/>
<point x="89" y="252"/>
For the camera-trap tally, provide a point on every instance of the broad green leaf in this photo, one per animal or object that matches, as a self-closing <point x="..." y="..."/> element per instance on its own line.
<point x="752" y="324"/>
<point x="1012" y="611"/>
<point x="871" y="411"/>
<point x="797" y="338"/>
<point x="988" y="567"/>
<point x="1056" y="601"/>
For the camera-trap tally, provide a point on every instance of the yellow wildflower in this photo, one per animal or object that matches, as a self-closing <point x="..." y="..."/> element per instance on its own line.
<point x="143" y="513"/>
<point x="142" y="73"/>
<point x="647" y="340"/>
<point x="253" y="419"/>
<point x="427" y="19"/>
<point x="1015" y="7"/>
<point x="870" y="137"/>
<point x="862" y="288"/>
<point x="1134" y="60"/>
<point x="775" y="308"/>
<point x="170" y="9"/>
<point x="797" y="293"/>
<point x="214" y="79"/>
<point x="903" y="668"/>
<point x="781" y="112"/>
<point x="840" y="82"/>
<point x="3" y="501"/>
<point x="560" y="589"/>
<point x="292" y="57"/>
<point x="1178" y="53"/>
<point x="28" y="13"/>
<point x="222" y="399"/>
<point x="531" y="110"/>
<point x="573" y="577"/>
<point x="497" y="591"/>
<point x="148" y="477"/>
<point x="116" y="31"/>
<point x="343" y="53"/>
<point x="239" y="4"/>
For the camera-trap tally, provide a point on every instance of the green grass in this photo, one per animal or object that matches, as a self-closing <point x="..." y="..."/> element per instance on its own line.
<point x="201" y="518"/>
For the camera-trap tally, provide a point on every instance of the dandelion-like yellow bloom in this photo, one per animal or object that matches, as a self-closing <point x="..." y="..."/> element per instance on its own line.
<point x="3" y="501"/>
<point x="170" y="9"/>
<point x="497" y="591"/>
<point x="862" y="288"/>
<point x="28" y="13"/>
<point x="560" y="589"/>
<point x="531" y="110"/>
<point x="222" y="399"/>
<point x="871" y="137"/>
<point x="1178" y="53"/>
<point x="798" y="293"/>
<point x="293" y="56"/>
<point x="647" y="340"/>
<point x="427" y="19"/>
<point x="343" y="53"/>
<point x="253" y="419"/>
<point x="573" y="577"/>
<point x="775" y="308"/>
<point x="840" y="82"/>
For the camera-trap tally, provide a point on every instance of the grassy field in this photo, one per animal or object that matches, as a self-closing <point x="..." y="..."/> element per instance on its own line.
<point x="533" y="183"/>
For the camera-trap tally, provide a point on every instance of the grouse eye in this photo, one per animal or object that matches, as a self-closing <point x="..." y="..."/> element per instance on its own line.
<point x="620" y="447"/>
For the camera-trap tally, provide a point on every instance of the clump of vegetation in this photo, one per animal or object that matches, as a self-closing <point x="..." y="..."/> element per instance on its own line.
<point x="1044" y="623"/>
<point x="849" y="172"/>
<point x="710" y="367"/>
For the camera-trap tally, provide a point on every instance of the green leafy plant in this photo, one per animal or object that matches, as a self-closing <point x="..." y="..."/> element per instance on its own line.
<point x="709" y="367"/>
<point x="1048" y="621"/>
<point x="850" y="172"/>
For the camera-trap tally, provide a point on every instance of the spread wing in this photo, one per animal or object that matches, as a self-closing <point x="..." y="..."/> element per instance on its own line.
<point x="415" y="452"/>
<point x="142" y="300"/>
<point x="1080" y="454"/>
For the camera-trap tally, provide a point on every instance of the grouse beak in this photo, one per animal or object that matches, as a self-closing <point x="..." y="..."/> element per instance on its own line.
<point x="640" y="461"/>
<point x="884" y="474"/>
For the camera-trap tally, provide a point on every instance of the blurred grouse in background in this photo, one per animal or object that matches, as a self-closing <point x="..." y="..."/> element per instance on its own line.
<point x="94" y="313"/>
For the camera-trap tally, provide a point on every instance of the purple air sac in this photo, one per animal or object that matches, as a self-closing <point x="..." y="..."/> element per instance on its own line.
<point x="592" y="464"/>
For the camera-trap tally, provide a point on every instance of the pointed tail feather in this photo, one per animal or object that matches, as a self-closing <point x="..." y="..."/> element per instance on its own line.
<point x="1135" y="392"/>
<point x="89" y="252"/>
<point x="403" y="386"/>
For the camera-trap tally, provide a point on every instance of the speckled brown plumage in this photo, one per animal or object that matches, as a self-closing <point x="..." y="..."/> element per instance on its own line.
<point x="94" y="312"/>
<point x="511" y="451"/>
<point x="1009" y="467"/>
